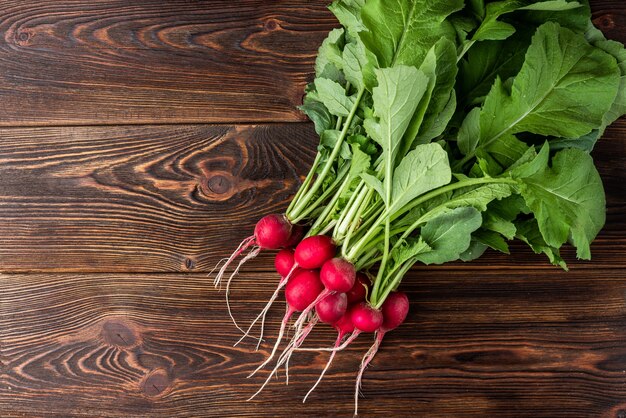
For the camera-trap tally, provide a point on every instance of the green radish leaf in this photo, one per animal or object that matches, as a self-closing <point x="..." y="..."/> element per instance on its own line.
<point x="408" y="250"/>
<point x="492" y="239"/>
<point x="329" y="61"/>
<point x="469" y="133"/>
<point x="449" y="235"/>
<point x="493" y="29"/>
<point x="359" y="64"/>
<point x="334" y="97"/>
<point x="348" y="12"/>
<point x="506" y="151"/>
<point x="567" y="200"/>
<point x="486" y="61"/>
<point x="375" y="184"/>
<point x="528" y="231"/>
<point x="576" y="19"/>
<point x="440" y="65"/>
<point x="560" y="68"/>
<point x="317" y="112"/>
<point x="496" y="223"/>
<point x="396" y="97"/>
<point x="421" y="170"/>
<point x="531" y="163"/>
<point x="475" y="250"/>
<point x="359" y="163"/>
<point x="403" y="31"/>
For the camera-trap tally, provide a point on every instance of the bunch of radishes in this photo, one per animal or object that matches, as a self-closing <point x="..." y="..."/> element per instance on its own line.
<point x="321" y="288"/>
<point x="434" y="146"/>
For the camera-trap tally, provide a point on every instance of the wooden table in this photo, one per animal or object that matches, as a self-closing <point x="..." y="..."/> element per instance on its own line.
<point x="139" y="142"/>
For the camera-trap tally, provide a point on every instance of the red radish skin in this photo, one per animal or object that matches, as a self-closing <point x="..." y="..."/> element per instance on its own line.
<point x="313" y="252"/>
<point x="359" y="290"/>
<point x="394" y="311"/>
<point x="338" y="275"/>
<point x="284" y="261"/>
<point x="366" y="318"/>
<point x="331" y="308"/>
<point x="344" y="325"/>
<point x="297" y="233"/>
<point x="300" y="292"/>
<point x="272" y="231"/>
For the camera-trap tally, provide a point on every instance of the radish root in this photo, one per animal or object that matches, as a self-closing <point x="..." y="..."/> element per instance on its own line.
<point x="243" y="246"/>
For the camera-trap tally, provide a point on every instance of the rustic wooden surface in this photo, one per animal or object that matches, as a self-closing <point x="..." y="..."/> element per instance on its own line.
<point x="140" y="140"/>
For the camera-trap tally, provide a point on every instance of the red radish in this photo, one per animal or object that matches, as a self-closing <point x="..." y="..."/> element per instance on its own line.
<point x="359" y="290"/>
<point x="338" y="276"/>
<point x="366" y="318"/>
<point x="284" y="262"/>
<point x="300" y="292"/>
<point x="394" y="311"/>
<point x="331" y="308"/>
<point x="297" y="233"/>
<point x="345" y="325"/>
<point x="313" y="252"/>
<point x="272" y="231"/>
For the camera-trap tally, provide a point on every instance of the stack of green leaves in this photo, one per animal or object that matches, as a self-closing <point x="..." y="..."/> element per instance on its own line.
<point x="448" y="127"/>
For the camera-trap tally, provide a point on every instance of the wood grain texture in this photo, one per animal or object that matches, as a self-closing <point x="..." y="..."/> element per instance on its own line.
<point x="114" y="61"/>
<point x="156" y="198"/>
<point x="528" y="343"/>
<point x="179" y="61"/>
<point x="179" y="198"/>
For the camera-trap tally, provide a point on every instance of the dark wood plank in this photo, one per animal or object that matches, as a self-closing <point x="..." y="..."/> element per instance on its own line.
<point x="524" y="343"/>
<point x="158" y="198"/>
<point x="179" y="198"/>
<point x="114" y="61"/>
<point x="180" y="61"/>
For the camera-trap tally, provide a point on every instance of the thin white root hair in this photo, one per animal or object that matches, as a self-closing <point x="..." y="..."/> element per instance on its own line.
<point x="283" y="325"/>
<point x="305" y="313"/>
<point x="217" y="266"/>
<point x="367" y="358"/>
<point x="253" y="253"/>
<point x="265" y="310"/>
<point x="343" y="346"/>
<point x="319" y="379"/>
<point x="242" y="247"/>
<point x="262" y="315"/>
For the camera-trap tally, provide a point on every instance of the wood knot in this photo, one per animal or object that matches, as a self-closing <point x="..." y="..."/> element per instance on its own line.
<point x="22" y="37"/>
<point x="119" y="334"/>
<point x="604" y="22"/>
<point x="219" y="184"/>
<point x="156" y="383"/>
<point x="271" y="25"/>
<point x="189" y="264"/>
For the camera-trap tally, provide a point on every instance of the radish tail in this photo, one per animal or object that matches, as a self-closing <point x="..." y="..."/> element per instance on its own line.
<point x="242" y="247"/>
<point x="343" y="346"/>
<point x="283" y="325"/>
<point x="367" y="358"/>
<point x="330" y="360"/>
<point x="255" y="251"/>
<point x="308" y="309"/>
<point x="263" y="313"/>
